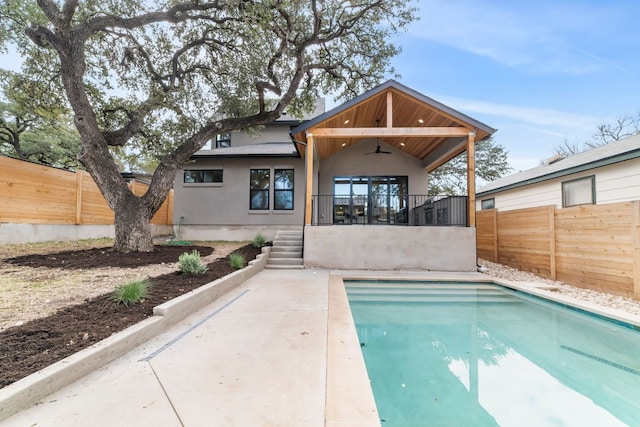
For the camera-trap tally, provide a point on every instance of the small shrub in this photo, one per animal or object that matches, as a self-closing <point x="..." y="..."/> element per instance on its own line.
<point x="190" y="263"/>
<point x="131" y="293"/>
<point x="236" y="261"/>
<point x="259" y="241"/>
<point x="178" y="243"/>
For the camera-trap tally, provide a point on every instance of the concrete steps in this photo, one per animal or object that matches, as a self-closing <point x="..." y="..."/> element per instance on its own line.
<point x="286" y="252"/>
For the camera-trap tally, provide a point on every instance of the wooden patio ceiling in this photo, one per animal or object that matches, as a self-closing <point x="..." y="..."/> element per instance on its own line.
<point x="398" y="116"/>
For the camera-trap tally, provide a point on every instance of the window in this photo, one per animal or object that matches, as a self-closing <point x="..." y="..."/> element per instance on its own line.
<point x="223" y="140"/>
<point x="488" y="204"/>
<point x="283" y="189"/>
<point x="442" y="216"/>
<point x="581" y="191"/>
<point x="259" y="189"/>
<point x="203" y="176"/>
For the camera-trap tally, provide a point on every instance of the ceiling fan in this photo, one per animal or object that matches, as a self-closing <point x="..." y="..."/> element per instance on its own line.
<point x="378" y="149"/>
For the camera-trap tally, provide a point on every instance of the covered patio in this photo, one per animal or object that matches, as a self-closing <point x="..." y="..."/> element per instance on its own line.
<point x="367" y="163"/>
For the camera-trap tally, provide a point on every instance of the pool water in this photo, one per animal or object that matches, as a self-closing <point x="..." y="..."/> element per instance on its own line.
<point x="458" y="354"/>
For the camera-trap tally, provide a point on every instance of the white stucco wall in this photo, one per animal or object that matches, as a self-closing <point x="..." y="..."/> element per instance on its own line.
<point x="390" y="248"/>
<point x="615" y="183"/>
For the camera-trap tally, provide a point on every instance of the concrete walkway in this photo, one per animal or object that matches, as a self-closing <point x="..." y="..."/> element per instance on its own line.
<point x="255" y="357"/>
<point x="280" y="349"/>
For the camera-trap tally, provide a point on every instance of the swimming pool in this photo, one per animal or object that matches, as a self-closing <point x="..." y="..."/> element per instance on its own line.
<point x="462" y="354"/>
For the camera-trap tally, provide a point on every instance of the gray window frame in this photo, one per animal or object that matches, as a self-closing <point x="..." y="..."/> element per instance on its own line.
<point x="565" y="184"/>
<point x="216" y="171"/>
<point x="277" y="190"/>
<point x="484" y="202"/>
<point x="265" y="190"/>
<point x="223" y="140"/>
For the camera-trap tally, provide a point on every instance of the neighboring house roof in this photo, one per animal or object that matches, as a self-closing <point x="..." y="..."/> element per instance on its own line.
<point x="265" y="149"/>
<point x="614" y="152"/>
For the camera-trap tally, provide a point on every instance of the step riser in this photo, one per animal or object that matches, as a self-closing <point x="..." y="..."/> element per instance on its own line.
<point x="288" y="243"/>
<point x="286" y="249"/>
<point x="284" y="267"/>
<point x="285" y="261"/>
<point x="297" y="254"/>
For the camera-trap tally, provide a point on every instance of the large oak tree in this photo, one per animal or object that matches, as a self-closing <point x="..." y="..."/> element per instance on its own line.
<point x="165" y="77"/>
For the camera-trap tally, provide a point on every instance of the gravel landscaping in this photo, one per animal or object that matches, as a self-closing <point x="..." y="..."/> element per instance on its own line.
<point x="500" y="271"/>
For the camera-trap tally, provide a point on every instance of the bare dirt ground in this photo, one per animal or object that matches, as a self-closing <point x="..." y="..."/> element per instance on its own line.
<point x="32" y="291"/>
<point x="55" y="297"/>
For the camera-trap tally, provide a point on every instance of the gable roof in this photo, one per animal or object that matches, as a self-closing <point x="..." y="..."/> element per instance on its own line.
<point x="387" y="112"/>
<point x="614" y="152"/>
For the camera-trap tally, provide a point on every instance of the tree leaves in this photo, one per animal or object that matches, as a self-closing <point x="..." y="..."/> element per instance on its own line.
<point x="35" y="124"/>
<point x="451" y="178"/>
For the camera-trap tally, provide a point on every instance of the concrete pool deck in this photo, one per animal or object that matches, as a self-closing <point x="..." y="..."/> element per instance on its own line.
<point x="279" y="350"/>
<point x="272" y="352"/>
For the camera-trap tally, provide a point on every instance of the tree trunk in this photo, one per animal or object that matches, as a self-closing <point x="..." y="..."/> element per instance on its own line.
<point x="133" y="227"/>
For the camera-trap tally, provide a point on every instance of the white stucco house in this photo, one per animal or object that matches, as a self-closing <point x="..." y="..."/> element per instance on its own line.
<point x="606" y="174"/>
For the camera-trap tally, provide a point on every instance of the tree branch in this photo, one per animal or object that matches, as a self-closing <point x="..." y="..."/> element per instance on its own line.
<point x="51" y="10"/>
<point x="177" y="13"/>
<point x="68" y="10"/>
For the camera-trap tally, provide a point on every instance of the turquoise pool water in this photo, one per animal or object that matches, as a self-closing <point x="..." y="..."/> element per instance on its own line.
<point x="457" y="354"/>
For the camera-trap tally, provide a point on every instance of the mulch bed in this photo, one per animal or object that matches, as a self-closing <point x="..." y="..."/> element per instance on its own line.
<point x="37" y="344"/>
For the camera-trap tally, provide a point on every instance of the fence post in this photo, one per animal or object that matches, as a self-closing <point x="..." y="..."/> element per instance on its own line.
<point x="79" y="175"/>
<point x="635" y="232"/>
<point x="170" y="207"/>
<point x="495" y="235"/>
<point x="552" y="241"/>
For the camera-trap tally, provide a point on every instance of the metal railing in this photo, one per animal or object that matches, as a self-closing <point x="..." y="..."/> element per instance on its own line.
<point x="409" y="209"/>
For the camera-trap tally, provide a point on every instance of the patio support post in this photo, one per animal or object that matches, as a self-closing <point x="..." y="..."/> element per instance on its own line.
<point x="471" y="178"/>
<point x="309" y="178"/>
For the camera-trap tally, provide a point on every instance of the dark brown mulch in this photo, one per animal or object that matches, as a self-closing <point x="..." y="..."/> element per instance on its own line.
<point x="39" y="343"/>
<point x="105" y="257"/>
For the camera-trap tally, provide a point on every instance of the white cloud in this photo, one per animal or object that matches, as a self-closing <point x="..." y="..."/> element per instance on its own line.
<point x="515" y="33"/>
<point x="527" y="115"/>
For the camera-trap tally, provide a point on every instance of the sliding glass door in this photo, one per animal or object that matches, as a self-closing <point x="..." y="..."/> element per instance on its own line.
<point x="370" y="200"/>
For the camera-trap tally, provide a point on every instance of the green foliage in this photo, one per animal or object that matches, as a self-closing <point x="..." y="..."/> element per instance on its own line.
<point x="259" y="241"/>
<point x="131" y="293"/>
<point x="35" y="124"/>
<point x="451" y="177"/>
<point x="236" y="261"/>
<point x="190" y="263"/>
<point x="178" y="243"/>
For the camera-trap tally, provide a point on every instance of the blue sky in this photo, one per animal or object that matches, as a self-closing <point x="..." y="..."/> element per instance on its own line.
<point x="539" y="71"/>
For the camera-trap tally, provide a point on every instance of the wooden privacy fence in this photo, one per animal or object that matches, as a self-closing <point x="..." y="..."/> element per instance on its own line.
<point x="37" y="194"/>
<point x="595" y="246"/>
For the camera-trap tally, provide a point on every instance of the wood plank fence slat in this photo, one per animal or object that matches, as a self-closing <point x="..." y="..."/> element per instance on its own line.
<point x="595" y="247"/>
<point x="37" y="194"/>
